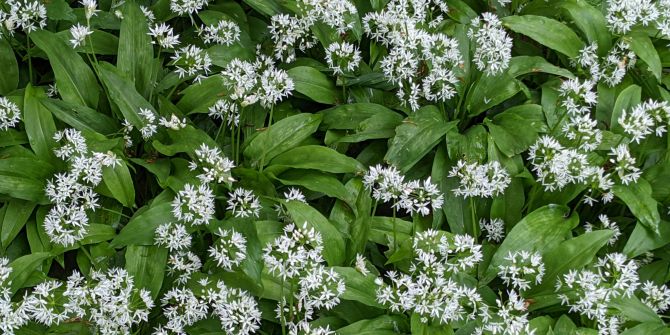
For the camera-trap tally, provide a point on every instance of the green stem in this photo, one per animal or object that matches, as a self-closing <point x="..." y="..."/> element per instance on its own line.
<point x="88" y="255"/>
<point x="395" y="234"/>
<point x="115" y="212"/>
<point x="474" y="219"/>
<point x="281" y="308"/>
<point x="30" y="59"/>
<point x="260" y="168"/>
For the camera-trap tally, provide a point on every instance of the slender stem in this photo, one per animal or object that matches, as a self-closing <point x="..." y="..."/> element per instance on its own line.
<point x="30" y="59"/>
<point x="474" y="219"/>
<point x="281" y="308"/>
<point x="218" y="133"/>
<point x="115" y="212"/>
<point x="260" y="168"/>
<point x="395" y="234"/>
<point x="232" y="144"/>
<point x="88" y="255"/>
<point x="239" y="138"/>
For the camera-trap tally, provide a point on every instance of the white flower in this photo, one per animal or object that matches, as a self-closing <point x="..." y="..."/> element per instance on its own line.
<point x="10" y="114"/>
<point x="288" y="33"/>
<point x="336" y="14"/>
<point x="625" y="164"/>
<point x="480" y="180"/>
<point x="194" y="206"/>
<point x="163" y="35"/>
<point x="43" y="306"/>
<point x="183" y="264"/>
<point x="421" y="198"/>
<point x="214" y="166"/>
<point x="28" y="15"/>
<point x="656" y="297"/>
<point x="275" y="84"/>
<point x="342" y="57"/>
<point x="66" y="225"/>
<point x="646" y="118"/>
<point x="622" y="15"/>
<point x="243" y="203"/>
<point x="521" y="269"/>
<point x="439" y="85"/>
<point x="90" y="8"/>
<point x="227" y="111"/>
<point x="386" y="183"/>
<point x="149" y="118"/>
<point x="229" y="250"/>
<point x="225" y="32"/>
<point x="75" y="143"/>
<point x="293" y="252"/>
<point x="361" y="266"/>
<point x="320" y="288"/>
<point x="294" y="194"/>
<point x="509" y="319"/>
<point x="618" y="60"/>
<point x="174" y="122"/>
<point x="557" y="166"/>
<point x="495" y="229"/>
<point x="577" y="96"/>
<point x="173" y="236"/>
<point x="79" y="34"/>
<point x="191" y="60"/>
<point x="493" y="46"/>
<point x="181" y="7"/>
<point x="182" y="308"/>
<point x="236" y="309"/>
<point x="606" y="224"/>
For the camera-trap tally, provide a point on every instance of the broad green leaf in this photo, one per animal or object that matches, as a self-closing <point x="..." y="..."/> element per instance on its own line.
<point x="12" y="137"/>
<point x="81" y="117"/>
<point x="29" y="167"/>
<point x="317" y="157"/>
<point x="359" y="287"/>
<point x="40" y="125"/>
<point x="120" y="183"/>
<point x="140" y="229"/>
<point x="76" y="81"/>
<point x="123" y="94"/>
<point x="60" y="10"/>
<point x="367" y="120"/>
<point x="627" y="99"/>
<point x="23" y="267"/>
<point x="633" y="309"/>
<point x="490" y="91"/>
<point x="641" y="44"/>
<point x="15" y="217"/>
<point x="382" y="325"/>
<point x="359" y="229"/>
<point x="542" y="229"/>
<point x="317" y="182"/>
<point x="314" y="84"/>
<point x="590" y="21"/>
<point x="147" y="266"/>
<point x="416" y="136"/>
<point x="422" y="328"/>
<point x="135" y="56"/>
<point x="548" y="32"/>
<point x="333" y="244"/>
<point x="266" y="7"/>
<point x="649" y="327"/>
<point x="643" y="239"/>
<point x="521" y="65"/>
<point x="23" y="188"/>
<point x="516" y="129"/>
<point x="574" y="253"/>
<point x="638" y="198"/>
<point x="187" y="139"/>
<point x="197" y="98"/>
<point x="9" y="68"/>
<point x="281" y="136"/>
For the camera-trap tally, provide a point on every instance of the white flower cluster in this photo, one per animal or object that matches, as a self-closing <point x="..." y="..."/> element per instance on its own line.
<point x="605" y="223"/>
<point x="292" y="194"/>
<point x="10" y="114"/>
<point x="417" y="196"/>
<point x="296" y="256"/>
<point x="405" y="29"/>
<point x="252" y="82"/>
<point x="214" y="165"/>
<point x="289" y="32"/>
<point x="493" y="46"/>
<point x="430" y="289"/>
<point x="72" y="192"/>
<point x="108" y="302"/>
<point x="225" y="110"/>
<point x="480" y="180"/>
<point x="163" y="35"/>
<point x="224" y="32"/>
<point x="521" y="269"/>
<point x="342" y="57"/>
<point x="150" y="122"/>
<point x="578" y="98"/>
<point x="623" y="15"/>
<point x="589" y="291"/>
<point x="243" y="203"/>
<point x="649" y="117"/>
<point x="229" y="250"/>
<point x="27" y="15"/>
<point x="190" y="7"/>
<point x="509" y="318"/>
<point x="191" y="61"/>
<point x="494" y="228"/>
<point x="194" y="205"/>
<point x="656" y="297"/>
<point x="610" y="69"/>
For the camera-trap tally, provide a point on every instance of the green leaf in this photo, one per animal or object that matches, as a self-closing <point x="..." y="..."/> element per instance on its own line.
<point x="333" y="244"/>
<point x="76" y="81"/>
<point x="135" y="55"/>
<point x="548" y="32"/>
<point x="490" y="91"/>
<point x="40" y="125"/>
<point x="317" y="182"/>
<point x="516" y="129"/>
<point x="23" y="188"/>
<point x="540" y="230"/>
<point x="641" y="44"/>
<point x="627" y="99"/>
<point x="60" y="10"/>
<point x="590" y="21"/>
<point x="123" y="94"/>
<point x="9" y="80"/>
<point x="282" y="136"/>
<point x="521" y="65"/>
<point x="633" y="309"/>
<point x="314" y="84"/>
<point x="422" y="328"/>
<point x="81" y="117"/>
<point x="187" y="139"/>
<point x="638" y="198"/>
<point x="643" y="239"/>
<point x="651" y="327"/>
<point x="574" y="253"/>
<point x="15" y="217"/>
<point x="382" y="325"/>
<point x="120" y="183"/>
<point x="197" y="98"/>
<point x="140" y="229"/>
<point x="147" y="266"/>
<point x="23" y="267"/>
<point x="266" y="7"/>
<point x="367" y="120"/>
<point x="359" y="287"/>
<point x="316" y="157"/>
<point x="416" y="136"/>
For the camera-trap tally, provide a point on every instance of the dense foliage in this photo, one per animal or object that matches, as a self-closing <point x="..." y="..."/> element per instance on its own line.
<point x="334" y="167"/>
